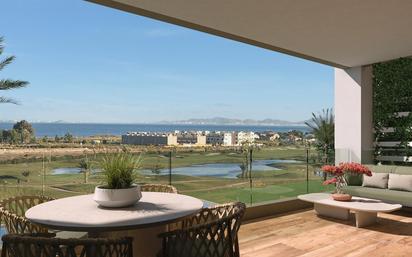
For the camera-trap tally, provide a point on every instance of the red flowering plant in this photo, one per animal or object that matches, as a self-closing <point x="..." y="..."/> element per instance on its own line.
<point x="355" y="168"/>
<point x="339" y="171"/>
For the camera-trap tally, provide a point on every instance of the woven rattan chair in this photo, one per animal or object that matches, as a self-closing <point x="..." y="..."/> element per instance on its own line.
<point x="42" y="245"/>
<point x="158" y="188"/>
<point x="210" y="233"/>
<point x="12" y="212"/>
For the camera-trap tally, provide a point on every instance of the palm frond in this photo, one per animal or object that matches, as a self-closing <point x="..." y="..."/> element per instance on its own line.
<point x="323" y="126"/>
<point x="1" y="45"/>
<point x="6" y="62"/>
<point x="7" y="84"/>
<point x="5" y="100"/>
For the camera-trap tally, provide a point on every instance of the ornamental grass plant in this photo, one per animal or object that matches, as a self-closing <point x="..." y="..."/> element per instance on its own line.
<point x="120" y="170"/>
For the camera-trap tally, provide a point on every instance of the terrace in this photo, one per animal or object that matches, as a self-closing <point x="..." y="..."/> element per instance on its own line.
<point x="350" y="36"/>
<point x="302" y="233"/>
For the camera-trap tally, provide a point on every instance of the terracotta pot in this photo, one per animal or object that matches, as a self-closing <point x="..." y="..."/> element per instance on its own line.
<point x="116" y="198"/>
<point x="342" y="197"/>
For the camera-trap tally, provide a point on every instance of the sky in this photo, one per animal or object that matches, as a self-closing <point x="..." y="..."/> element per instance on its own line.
<point x="90" y="63"/>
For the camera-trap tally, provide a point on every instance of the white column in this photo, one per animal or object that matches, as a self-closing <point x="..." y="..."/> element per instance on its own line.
<point x="353" y="115"/>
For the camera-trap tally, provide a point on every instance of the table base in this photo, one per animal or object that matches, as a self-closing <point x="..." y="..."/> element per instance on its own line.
<point x="363" y="219"/>
<point x="331" y="211"/>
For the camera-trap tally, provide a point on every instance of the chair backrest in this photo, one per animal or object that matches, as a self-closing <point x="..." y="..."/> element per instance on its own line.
<point x="40" y="245"/>
<point x="12" y="213"/>
<point x="210" y="233"/>
<point x="158" y="188"/>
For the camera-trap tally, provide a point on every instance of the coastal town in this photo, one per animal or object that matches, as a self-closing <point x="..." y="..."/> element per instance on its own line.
<point x="21" y="142"/>
<point x="215" y="138"/>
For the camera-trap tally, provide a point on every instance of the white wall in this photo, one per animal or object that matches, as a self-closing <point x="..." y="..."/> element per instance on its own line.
<point x="353" y="114"/>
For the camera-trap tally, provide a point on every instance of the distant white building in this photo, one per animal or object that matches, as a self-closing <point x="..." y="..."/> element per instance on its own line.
<point x="222" y="138"/>
<point x="243" y="137"/>
<point x="201" y="140"/>
<point x="214" y="138"/>
<point x="189" y="138"/>
<point x="274" y="137"/>
<point x="229" y="139"/>
<point x="149" y="138"/>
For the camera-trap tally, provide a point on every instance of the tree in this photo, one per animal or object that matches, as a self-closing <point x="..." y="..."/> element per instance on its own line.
<point x="85" y="166"/>
<point x="157" y="168"/>
<point x="45" y="139"/>
<point x="68" y="138"/>
<point x="8" y="84"/>
<point x="323" y="128"/>
<point x="245" y="165"/>
<point x="26" y="174"/>
<point x="5" y="136"/>
<point x="23" y="125"/>
<point x="296" y="133"/>
<point x="15" y="137"/>
<point x="24" y="130"/>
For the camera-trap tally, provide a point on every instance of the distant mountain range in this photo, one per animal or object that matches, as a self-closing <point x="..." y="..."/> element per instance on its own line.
<point x="35" y="121"/>
<point x="210" y="121"/>
<point x="228" y="121"/>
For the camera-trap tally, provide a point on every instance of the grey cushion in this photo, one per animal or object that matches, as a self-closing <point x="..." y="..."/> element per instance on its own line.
<point x="400" y="182"/>
<point x="389" y="196"/>
<point x="378" y="180"/>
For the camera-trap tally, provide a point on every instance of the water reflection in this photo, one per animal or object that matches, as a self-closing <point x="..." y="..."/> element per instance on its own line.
<point x="223" y="170"/>
<point x="72" y="170"/>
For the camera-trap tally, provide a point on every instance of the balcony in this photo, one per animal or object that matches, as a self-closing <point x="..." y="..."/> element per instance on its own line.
<point x="276" y="223"/>
<point x="287" y="227"/>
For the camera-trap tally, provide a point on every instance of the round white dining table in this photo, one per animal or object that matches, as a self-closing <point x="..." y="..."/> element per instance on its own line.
<point x="142" y="221"/>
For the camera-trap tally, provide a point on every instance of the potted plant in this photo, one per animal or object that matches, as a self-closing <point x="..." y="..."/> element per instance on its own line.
<point x="120" y="173"/>
<point x="339" y="180"/>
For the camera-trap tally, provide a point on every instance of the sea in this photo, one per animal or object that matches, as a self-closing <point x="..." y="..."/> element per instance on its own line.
<point x="93" y="129"/>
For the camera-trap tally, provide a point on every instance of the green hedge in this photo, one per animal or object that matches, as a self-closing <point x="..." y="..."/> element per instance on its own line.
<point x="392" y="93"/>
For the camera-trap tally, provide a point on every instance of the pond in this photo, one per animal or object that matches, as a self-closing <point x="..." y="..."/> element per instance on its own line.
<point x="72" y="170"/>
<point x="60" y="171"/>
<point x="222" y="170"/>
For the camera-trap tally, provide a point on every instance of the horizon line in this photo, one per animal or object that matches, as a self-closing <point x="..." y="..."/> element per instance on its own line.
<point x="156" y="123"/>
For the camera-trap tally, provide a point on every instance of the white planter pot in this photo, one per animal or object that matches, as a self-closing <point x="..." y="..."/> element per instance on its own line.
<point x="117" y="197"/>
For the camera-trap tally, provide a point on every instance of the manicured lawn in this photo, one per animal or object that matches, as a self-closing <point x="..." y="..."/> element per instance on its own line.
<point x="260" y="194"/>
<point x="267" y="185"/>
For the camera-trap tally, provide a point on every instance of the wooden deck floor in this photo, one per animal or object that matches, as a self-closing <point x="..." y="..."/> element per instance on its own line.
<point x="305" y="234"/>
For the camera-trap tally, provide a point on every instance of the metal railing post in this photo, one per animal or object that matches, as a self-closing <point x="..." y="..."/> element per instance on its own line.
<point x="170" y="168"/>
<point x="307" y="169"/>
<point x="250" y="175"/>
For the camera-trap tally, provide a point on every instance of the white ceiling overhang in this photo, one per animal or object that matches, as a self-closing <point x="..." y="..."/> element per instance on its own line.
<point x="341" y="33"/>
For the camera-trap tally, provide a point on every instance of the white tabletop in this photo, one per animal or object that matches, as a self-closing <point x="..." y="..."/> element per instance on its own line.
<point x="356" y="204"/>
<point x="81" y="213"/>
